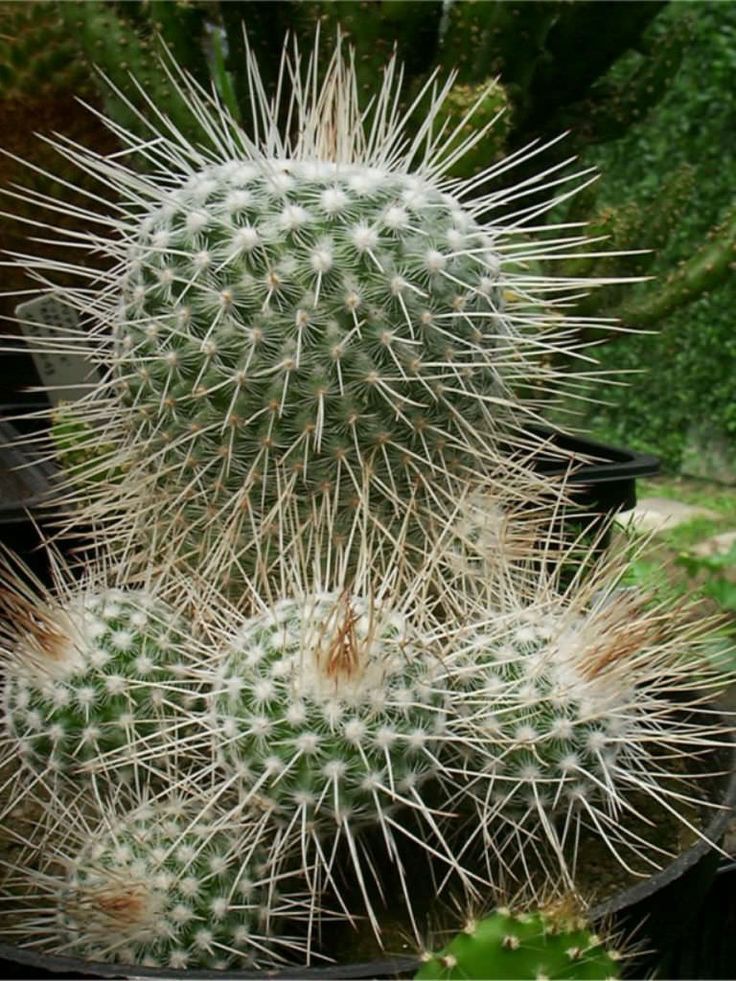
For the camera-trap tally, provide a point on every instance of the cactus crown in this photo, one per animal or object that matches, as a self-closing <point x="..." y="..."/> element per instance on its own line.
<point x="326" y="705"/>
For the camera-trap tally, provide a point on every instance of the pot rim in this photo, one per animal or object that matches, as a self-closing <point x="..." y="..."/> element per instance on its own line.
<point x="706" y="842"/>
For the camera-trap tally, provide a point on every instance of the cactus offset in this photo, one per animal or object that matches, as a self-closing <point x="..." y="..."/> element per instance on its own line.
<point x="159" y="886"/>
<point x="327" y="706"/>
<point x="576" y="704"/>
<point x="531" y="946"/>
<point x="92" y="672"/>
<point x="327" y="714"/>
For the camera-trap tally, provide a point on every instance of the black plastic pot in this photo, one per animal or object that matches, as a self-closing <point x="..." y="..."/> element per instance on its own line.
<point x="664" y="912"/>
<point x="600" y="478"/>
<point x="660" y="911"/>
<point x="599" y="482"/>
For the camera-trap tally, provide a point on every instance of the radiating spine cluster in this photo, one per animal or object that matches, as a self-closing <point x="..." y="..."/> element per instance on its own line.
<point x="326" y="715"/>
<point x="327" y="706"/>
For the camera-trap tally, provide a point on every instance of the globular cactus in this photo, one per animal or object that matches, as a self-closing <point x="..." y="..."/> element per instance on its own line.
<point x="328" y="715"/>
<point x="573" y="706"/>
<point x="530" y="946"/>
<point x="325" y="706"/>
<point x="92" y="672"/>
<point x="303" y="319"/>
<point x="318" y="325"/>
<point x="166" y="885"/>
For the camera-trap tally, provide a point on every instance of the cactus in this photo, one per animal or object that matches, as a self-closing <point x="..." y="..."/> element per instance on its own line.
<point x="36" y="55"/>
<point x="540" y="54"/>
<point x="693" y="278"/>
<point x="329" y="715"/>
<point x="327" y="706"/>
<point x="160" y="886"/>
<point x="484" y="38"/>
<point x="314" y="348"/>
<point x="110" y="40"/>
<point x="319" y="325"/>
<point x="575" y="703"/>
<point x="296" y="328"/>
<point x="408" y="28"/>
<point x="90" y="673"/>
<point x="530" y="946"/>
<point x="469" y="108"/>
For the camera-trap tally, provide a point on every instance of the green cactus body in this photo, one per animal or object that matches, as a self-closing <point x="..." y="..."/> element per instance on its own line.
<point x="78" y="450"/>
<point x="557" y="721"/>
<point x="570" y="708"/>
<point x="37" y="58"/>
<point x="300" y="322"/>
<point x="108" y="39"/>
<point x="165" y="887"/>
<point x="528" y="946"/>
<point x="327" y="710"/>
<point x="99" y="673"/>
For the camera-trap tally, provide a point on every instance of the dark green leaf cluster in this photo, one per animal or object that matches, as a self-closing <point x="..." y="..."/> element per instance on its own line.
<point x="669" y="187"/>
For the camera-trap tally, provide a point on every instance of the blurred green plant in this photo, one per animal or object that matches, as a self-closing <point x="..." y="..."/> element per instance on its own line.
<point x="680" y="163"/>
<point x="716" y="575"/>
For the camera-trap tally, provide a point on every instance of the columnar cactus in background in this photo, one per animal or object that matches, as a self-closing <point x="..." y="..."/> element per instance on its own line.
<point x="530" y="946"/>
<point x="315" y="326"/>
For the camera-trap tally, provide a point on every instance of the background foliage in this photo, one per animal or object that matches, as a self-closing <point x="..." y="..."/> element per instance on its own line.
<point x="689" y="367"/>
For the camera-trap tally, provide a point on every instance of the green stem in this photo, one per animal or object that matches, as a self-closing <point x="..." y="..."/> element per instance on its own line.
<point x="688" y="282"/>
